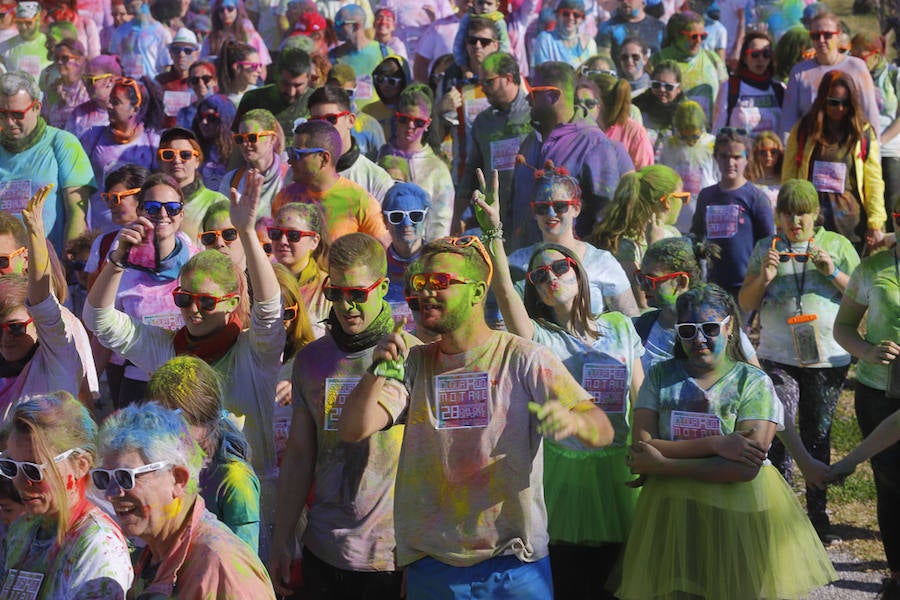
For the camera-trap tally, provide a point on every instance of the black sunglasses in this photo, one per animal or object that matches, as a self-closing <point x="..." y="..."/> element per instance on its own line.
<point x="382" y="79"/>
<point x="837" y="102"/>
<point x="484" y="42"/>
<point x="195" y="79"/>
<point x="292" y="235"/>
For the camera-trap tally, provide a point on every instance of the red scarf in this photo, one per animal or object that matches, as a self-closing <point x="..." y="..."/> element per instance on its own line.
<point x="212" y="347"/>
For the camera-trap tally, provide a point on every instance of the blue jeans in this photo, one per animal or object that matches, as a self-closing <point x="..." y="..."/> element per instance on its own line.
<point x="500" y="578"/>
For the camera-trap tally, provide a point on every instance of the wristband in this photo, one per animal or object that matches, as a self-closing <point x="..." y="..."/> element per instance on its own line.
<point x="833" y="274"/>
<point x="495" y="233"/>
<point x="109" y="258"/>
<point x="390" y="369"/>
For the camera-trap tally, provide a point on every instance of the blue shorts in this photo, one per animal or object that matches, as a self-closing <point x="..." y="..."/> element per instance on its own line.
<point x="503" y="577"/>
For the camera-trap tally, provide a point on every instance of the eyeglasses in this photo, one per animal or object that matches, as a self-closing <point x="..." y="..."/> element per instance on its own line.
<point x="588" y="103"/>
<point x="685" y="197"/>
<point x="195" y="79"/>
<point x="240" y="138"/>
<point x="181" y="50"/>
<point x="436" y="281"/>
<point x="128" y="82"/>
<point x="560" y="207"/>
<point x="764" y="53"/>
<point x="210" y="116"/>
<point x="353" y="295"/>
<point x="819" y="35"/>
<point x="545" y="89"/>
<point x="630" y="57"/>
<point x="800" y="257"/>
<point x="115" y="198"/>
<point x="388" y="79"/>
<point x="483" y="42"/>
<point x="466" y="241"/>
<point x="664" y="85"/>
<point x="6" y="259"/>
<point x="228" y="235"/>
<point x="123" y="477"/>
<point x="34" y="472"/>
<point x="690" y="138"/>
<point x="294" y="154"/>
<point x="16" y="328"/>
<point x="540" y="275"/>
<point x="248" y="65"/>
<point x="64" y="59"/>
<point x="205" y="302"/>
<point x="837" y="102"/>
<point x="25" y="21"/>
<point x="93" y="79"/>
<point x="292" y="235"/>
<point x="695" y="36"/>
<point x="228" y="8"/>
<point x="330" y="117"/>
<point x="396" y="217"/>
<point x="649" y="282"/>
<point x="568" y="13"/>
<point x="417" y="122"/>
<point x="17" y="115"/>
<point x="768" y="151"/>
<point x="154" y="208"/>
<point x="710" y="329"/>
<point x="289" y="313"/>
<point x="168" y="154"/>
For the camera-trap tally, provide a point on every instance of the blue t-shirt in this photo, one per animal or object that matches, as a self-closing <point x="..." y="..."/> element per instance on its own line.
<point x="735" y="220"/>
<point x="56" y="158"/>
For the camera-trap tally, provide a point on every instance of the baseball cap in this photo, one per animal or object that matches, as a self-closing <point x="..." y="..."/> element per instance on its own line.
<point x="310" y="22"/>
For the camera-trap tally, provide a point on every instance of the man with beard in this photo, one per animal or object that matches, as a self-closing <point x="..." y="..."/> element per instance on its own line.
<point x="349" y="539"/>
<point x="469" y="503"/>
<point x="287" y="98"/>
<point x="564" y="136"/>
<point x="497" y="131"/>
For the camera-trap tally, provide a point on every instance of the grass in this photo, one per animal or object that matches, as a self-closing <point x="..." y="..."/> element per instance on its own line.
<point x="851" y="505"/>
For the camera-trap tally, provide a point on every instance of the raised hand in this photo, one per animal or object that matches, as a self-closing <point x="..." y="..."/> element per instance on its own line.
<point x="33" y="214"/>
<point x="245" y="206"/>
<point x="486" y="201"/>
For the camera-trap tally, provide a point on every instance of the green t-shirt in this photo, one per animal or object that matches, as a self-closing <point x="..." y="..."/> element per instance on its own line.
<point x="874" y="284"/>
<point x="820" y="297"/>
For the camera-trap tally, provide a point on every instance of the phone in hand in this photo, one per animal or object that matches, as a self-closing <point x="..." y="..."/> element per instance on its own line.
<point x="145" y="256"/>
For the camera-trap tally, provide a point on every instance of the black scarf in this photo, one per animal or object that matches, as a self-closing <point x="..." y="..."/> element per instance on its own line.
<point x="660" y="115"/>
<point x="348" y="158"/>
<point x="193" y="188"/>
<point x="350" y="343"/>
<point x="16" y="146"/>
<point x="13" y="369"/>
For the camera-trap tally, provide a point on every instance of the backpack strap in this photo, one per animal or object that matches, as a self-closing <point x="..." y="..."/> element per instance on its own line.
<point x="734" y="87"/>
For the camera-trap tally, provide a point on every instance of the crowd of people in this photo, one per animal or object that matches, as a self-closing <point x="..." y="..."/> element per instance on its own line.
<point x="315" y="299"/>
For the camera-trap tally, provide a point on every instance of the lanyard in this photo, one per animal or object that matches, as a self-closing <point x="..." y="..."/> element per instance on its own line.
<point x="800" y="282"/>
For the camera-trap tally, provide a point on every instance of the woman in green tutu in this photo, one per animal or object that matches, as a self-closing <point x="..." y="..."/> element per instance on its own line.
<point x="717" y="520"/>
<point x="589" y="507"/>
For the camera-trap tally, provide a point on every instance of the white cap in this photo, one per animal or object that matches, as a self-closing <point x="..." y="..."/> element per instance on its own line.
<point x="185" y="37"/>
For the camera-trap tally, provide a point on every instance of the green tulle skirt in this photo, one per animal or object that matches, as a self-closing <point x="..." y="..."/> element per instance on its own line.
<point x="738" y="541"/>
<point x="587" y="500"/>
